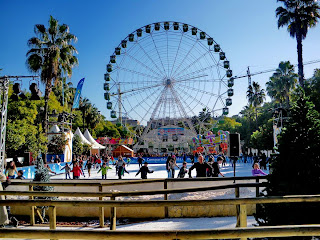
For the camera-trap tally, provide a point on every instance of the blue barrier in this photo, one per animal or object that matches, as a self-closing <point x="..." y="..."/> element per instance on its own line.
<point x="29" y="171"/>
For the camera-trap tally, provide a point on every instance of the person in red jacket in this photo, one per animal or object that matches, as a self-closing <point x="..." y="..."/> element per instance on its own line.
<point x="76" y="171"/>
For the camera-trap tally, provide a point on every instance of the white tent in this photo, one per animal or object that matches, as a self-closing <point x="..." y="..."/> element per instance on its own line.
<point x="93" y="142"/>
<point x="82" y="138"/>
<point x="54" y="130"/>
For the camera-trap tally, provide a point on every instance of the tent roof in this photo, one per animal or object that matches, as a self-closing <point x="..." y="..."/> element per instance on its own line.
<point x="95" y="145"/>
<point x="54" y="129"/>
<point x="83" y="139"/>
<point x="124" y="146"/>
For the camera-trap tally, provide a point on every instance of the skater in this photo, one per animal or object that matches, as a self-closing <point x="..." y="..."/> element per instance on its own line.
<point x="76" y="171"/>
<point x="122" y="169"/>
<point x="89" y="166"/>
<point x="140" y="160"/>
<point x="216" y="168"/>
<point x="144" y="170"/>
<point x="20" y="175"/>
<point x="256" y="171"/>
<point x="119" y="163"/>
<point x="183" y="170"/>
<point x="200" y="166"/>
<point x="67" y="170"/>
<point x="172" y="164"/>
<point x="104" y="170"/>
<point x="10" y="170"/>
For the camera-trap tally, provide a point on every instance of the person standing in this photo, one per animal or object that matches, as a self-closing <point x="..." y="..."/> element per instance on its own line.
<point x="256" y="171"/>
<point x="11" y="170"/>
<point x="144" y="170"/>
<point x="89" y="166"/>
<point x="140" y="160"/>
<point x="104" y="170"/>
<point x="67" y="170"/>
<point x="200" y="166"/>
<point x="122" y="170"/>
<point x="172" y="165"/>
<point x="183" y="170"/>
<point x="216" y="167"/>
<point x="76" y="171"/>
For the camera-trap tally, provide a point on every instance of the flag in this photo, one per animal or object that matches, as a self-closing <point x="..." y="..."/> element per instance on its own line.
<point x="77" y="94"/>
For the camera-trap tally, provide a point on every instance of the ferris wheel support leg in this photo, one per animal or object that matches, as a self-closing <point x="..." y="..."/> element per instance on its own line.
<point x="4" y="90"/>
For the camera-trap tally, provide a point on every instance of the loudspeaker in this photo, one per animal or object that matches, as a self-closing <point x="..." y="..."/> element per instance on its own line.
<point x="234" y="145"/>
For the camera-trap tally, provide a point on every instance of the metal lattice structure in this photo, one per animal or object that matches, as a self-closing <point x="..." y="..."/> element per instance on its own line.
<point x="4" y="90"/>
<point x="166" y="73"/>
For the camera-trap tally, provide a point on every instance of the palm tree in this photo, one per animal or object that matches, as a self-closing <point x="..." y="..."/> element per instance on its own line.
<point x="51" y="54"/>
<point x="299" y="16"/>
<point x="282" y="82"/>
<point x="256" y="96"/>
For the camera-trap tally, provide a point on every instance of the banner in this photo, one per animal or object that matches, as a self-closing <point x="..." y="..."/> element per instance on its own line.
<point x="77" y="94"/>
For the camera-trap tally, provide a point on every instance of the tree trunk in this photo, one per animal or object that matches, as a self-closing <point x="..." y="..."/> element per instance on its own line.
<point x="300" y="61"/>
<point x="256" y="118"/>
<point x="46" y="107"/>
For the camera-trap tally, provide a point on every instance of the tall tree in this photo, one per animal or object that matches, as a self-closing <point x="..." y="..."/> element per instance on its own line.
<point x="256" y="96"/>
<point x="298" y="16"/>
<point x="52" y="55"/>
<point x="282" y="82"/>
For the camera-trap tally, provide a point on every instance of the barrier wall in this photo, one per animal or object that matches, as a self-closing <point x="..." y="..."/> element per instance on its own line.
<point x="147" y="212"/>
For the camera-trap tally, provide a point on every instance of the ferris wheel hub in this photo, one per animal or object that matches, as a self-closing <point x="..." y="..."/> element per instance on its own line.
<point x="168" y="82"/>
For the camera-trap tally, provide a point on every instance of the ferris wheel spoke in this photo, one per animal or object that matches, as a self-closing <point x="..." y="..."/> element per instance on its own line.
<point x="175" y="59"/>
<point x="200" y="90"/>
<point x="145" y="66"/>
<point x="190" y="96"/>
<point x="158" y="54"/>
<point x="179" y="104"/>
<point x="136" y="72"/>
<point x="191" y="64"/>
<point x="146" y="53"/>
<point x="135" y="90"/>
<point x="185" y="57"/>
<point x="198" y="71"/>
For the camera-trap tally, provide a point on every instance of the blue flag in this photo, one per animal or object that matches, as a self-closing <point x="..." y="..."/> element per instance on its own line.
<point x="77" y="94"/>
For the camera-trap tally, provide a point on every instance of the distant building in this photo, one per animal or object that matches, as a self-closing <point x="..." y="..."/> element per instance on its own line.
<point x="128" y="121"/>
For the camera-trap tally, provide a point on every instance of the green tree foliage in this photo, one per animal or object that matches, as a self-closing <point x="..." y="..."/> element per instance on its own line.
<point x="313" y="88"/>
<point x="77" y="146"/>
<point x="229" y="124"/>
<point x="256" y="96"/>
<point x="298" y="16"/>
<point x="262" y="139"/>
<point x="296" y="170"/>
<point x="52" y="53"/>
<point x="282" y="83"/>
<point x="57" y="144"/>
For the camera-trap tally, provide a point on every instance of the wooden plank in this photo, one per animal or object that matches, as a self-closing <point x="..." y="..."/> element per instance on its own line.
<point x="113" y="216"/>
<point x="166" y="210"/>
<point x="237" y="195"/>
<point x="252" y="232"/>
<point x="32" y="216"/>
<point x="101" y="210"/>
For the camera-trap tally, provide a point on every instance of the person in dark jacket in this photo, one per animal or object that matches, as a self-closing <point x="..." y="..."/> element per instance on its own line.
<point x="144" y="170"/>
<point x="216" y="168"/>
<point x="122" y="169"/>
<point x="201" y="167"/>
<point x="183" y="170"/>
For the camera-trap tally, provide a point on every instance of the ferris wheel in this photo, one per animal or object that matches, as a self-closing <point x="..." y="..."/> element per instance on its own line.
<point x="165" y="73"/>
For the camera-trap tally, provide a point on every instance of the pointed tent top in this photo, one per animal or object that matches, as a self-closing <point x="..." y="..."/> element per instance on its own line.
<point x="54" y="129"/>
<point x="95" y="145"/>
<point x="83" y="139"/>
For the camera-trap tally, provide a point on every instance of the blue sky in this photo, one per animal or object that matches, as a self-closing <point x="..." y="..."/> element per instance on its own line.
<point x="246" y="30"/>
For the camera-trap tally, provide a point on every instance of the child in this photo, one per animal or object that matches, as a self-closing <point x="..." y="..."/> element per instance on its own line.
<point x="128" y="161"/>
<point x="20" y="175"/>
<point x="67" y="169"/>
<point x="76" y="171"/>
<point x="89" y="166"/>
<point x="144" y="170"/>
<point x="122" y="170"/>
<point x="104" y="170"/>
<point x="183" y="170"/>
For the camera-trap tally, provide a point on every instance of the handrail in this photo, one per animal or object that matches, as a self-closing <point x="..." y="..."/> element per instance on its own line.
<point x="250" y="232"/>
<point x="128" y="193"/>
<point x="129" y="182"/>
<point x="162" y="203"/>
